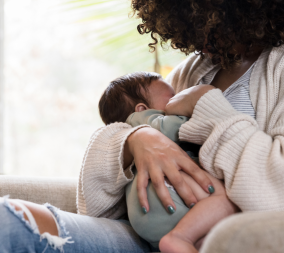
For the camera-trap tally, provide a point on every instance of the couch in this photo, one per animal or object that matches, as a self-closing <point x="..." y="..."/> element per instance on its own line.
<point x="60" y="192"/>
<point x="240" y="233"/>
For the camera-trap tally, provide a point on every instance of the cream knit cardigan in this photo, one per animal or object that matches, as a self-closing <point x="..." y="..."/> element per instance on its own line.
<point x="247" y="153"/>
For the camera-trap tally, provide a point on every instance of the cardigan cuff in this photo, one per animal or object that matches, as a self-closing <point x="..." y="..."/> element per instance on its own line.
<point x="128" y="171"/>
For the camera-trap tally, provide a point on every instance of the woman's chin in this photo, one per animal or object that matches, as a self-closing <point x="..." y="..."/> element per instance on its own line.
<point x="205" y="51"/>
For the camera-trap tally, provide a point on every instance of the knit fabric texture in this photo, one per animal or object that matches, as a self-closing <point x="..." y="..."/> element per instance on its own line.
<point x="100" y="191"/>
<point x="246" y="152"/>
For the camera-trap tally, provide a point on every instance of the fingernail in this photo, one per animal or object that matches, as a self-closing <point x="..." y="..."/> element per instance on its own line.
<point x="211" y="189"/>
<point x="144" y="210"/>
<point x="191" y="205"/>
<point x="171" y="209"/>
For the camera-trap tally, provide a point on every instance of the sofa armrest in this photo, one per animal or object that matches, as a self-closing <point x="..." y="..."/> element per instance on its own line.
<point x="247" y="232"/>
<point x="60" y="192"/>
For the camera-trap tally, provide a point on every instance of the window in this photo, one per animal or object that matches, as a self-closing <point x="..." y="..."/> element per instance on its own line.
<point x="58" y="59"/>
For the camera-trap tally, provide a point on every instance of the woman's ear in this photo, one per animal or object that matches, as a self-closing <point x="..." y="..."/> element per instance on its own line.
<point x="141" y="107"/>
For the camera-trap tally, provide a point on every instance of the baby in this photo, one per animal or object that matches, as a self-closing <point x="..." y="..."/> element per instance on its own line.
<point x="140" y="98"/>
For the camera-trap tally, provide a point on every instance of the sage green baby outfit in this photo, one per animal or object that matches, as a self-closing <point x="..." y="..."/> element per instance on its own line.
<point x="167" y="125"/>
<point x="157" y="222"/>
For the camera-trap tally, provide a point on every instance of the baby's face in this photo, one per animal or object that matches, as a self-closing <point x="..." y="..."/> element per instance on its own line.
<point x="160" y="93"/>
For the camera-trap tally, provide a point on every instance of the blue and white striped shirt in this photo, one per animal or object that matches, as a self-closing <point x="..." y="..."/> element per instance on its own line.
<point x="238" y="93"/>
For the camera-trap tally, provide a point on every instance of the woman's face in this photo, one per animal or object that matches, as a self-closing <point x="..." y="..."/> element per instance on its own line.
<point x="241" y="49"/>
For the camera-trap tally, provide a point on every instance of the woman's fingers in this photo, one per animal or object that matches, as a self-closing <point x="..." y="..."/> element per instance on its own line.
<point x="155" y="157"/>
<point x="192" y="169"/>
<point x="142" y="183"/>
<point x="158" y="182"/>
<point x="182" y="188"/>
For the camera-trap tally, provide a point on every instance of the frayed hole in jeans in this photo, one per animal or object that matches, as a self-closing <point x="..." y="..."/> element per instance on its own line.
<point x="20" y="214"/>
<point x="56" y="242"/>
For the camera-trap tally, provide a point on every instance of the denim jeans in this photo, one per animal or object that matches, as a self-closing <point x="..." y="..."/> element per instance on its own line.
<point x="82" y="234"/>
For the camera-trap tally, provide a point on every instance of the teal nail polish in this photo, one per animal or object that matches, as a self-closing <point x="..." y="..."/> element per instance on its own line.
<point x="144" y="210"/>
<point x="171" y="209"/>
<point x="192" y="205"/>
<point x="211" y="189"/>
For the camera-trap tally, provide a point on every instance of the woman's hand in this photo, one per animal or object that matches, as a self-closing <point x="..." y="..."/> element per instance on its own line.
<point x="184" y="102"/>
<point x="156" y="157"/>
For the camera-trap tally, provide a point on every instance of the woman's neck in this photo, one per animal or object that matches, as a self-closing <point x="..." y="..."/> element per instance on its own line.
<point x="225" y="78"/>
<point x="248" y="57"/>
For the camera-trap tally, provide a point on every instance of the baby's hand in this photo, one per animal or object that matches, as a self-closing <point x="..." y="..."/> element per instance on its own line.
<point x="183" y="103"/>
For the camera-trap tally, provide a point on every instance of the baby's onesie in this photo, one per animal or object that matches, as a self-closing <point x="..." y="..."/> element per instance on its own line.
<point x="158" y="222"/>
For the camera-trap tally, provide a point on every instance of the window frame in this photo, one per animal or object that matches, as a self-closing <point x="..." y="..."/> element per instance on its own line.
<point x="1" y="86"/>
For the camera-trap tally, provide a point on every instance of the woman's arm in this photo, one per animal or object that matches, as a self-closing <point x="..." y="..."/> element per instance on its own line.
<point x="106" y="169"/>
<point x="250" y="160"/>
<point x="100" y="191"/>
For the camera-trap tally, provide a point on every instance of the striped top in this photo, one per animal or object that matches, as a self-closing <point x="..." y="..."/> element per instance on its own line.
<point x="238" y="93"/>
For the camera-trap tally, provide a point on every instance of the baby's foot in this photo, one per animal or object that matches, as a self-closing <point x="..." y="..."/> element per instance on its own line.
<point x="173" y="242"/>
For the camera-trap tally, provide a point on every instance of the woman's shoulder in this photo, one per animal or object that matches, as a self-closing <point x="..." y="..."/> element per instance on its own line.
<point x="189" y="72"/>
<point x="272" y="59"/>
<point x="189" y="62"/>
<point x="271" y="65"/>
<point x="267" y="86"/>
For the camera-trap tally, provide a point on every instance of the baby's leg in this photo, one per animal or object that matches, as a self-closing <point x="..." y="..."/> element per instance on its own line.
<point x="199" y="220"/>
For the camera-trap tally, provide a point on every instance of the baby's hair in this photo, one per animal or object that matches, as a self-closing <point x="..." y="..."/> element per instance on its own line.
<point x="123" y="94"/>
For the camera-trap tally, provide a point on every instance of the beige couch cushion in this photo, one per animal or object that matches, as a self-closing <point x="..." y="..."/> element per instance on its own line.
<point x="60" y="192"/>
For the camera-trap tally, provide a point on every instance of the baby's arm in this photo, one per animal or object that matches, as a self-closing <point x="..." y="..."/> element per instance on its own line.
<point x="200" y="219"/>
<point x="184" y="102"/>
<point x="167" y="125"/>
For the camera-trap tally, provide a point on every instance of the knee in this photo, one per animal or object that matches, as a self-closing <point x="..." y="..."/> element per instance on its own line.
<point x="33" y="226"/>
<point x="37" y="215"/>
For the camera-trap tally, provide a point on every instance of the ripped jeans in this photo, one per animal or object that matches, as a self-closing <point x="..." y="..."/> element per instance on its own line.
<point x="77" y="233"/>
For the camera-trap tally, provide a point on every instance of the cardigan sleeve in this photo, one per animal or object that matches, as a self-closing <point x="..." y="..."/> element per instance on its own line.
<point x="250" y="161"/>
<point x="100" y="191"/>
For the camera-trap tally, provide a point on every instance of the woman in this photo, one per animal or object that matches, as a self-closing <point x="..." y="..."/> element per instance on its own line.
<point x="241" y="43"/>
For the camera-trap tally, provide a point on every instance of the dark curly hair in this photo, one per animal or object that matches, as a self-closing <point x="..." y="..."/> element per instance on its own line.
<point x="187" y="24"/>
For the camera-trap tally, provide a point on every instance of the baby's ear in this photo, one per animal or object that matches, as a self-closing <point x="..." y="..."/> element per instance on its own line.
<point x="141" y="107"/>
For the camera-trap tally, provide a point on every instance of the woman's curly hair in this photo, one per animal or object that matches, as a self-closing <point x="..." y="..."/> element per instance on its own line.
<point x="187" y="24"/>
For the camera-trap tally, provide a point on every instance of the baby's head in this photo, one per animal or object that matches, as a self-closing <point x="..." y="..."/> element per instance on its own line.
<point x="134" y="92"/>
